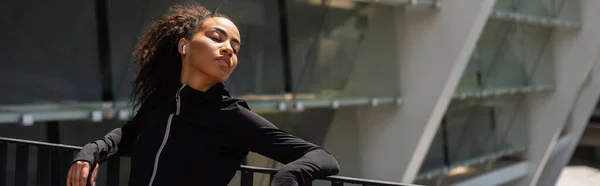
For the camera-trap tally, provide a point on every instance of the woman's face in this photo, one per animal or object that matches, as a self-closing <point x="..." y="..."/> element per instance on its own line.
<point x="212" y="52"/>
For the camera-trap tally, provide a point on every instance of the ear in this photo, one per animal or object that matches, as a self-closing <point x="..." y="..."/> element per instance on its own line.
<point x="182" y="46"/>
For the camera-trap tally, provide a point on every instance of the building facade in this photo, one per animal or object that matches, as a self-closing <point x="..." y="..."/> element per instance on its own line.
<point x="433" y="92"/>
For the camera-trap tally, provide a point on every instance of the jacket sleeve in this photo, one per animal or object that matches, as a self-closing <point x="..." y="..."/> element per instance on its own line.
<point x="118" y="141"/>
<point x="304" y="161"/>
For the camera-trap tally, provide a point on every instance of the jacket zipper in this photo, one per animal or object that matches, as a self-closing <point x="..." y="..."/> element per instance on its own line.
<point x="166" y="137"/>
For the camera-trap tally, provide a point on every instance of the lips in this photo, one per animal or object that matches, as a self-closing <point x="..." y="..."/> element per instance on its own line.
<point x="224" y="61"/>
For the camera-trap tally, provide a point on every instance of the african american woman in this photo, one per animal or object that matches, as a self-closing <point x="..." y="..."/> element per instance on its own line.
<point x="188" y="129"/>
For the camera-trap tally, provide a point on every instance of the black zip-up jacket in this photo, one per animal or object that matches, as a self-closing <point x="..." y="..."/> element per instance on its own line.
<point x="183" y="136"/>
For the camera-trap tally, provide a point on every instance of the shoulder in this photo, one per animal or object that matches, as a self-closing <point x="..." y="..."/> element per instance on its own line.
<point x="234" y="110"/>
<point x="233" y="104"/>
<point x="237" y="112"/>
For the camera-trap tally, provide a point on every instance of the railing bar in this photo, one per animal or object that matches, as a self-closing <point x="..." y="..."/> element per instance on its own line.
<point x="363" y="181"/>
<point x="258" y="169"/>
<point x="330" y="178"/>
<point x="22" y="164"/>
<point x="43" y="166"/>
<point x="3" y="165"/>
<point x="113" y="173"/>
<point x="58" y="175"/>
<point x="37" y="143"/>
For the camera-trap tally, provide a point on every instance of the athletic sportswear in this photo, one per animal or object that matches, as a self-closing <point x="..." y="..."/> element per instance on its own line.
<point x="183" y="136"/>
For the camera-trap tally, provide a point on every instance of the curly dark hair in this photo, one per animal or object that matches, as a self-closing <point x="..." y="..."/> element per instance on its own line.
<point x="157" y="53"/>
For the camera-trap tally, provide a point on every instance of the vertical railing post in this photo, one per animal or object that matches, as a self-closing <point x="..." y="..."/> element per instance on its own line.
<point x="113" y="171"/>
<point x="247" y="178"/>
<point x="43" y="166"/>
<point x="337" y="183"/>
<point x="55" y="167"/>
<point x="3" y="159"/>
<point x="22" y="165"/>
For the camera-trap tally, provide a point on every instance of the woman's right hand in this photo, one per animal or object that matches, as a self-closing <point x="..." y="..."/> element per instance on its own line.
<point x="78" y="174"/>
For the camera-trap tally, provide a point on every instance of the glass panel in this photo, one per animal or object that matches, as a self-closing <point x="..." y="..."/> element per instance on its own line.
<point x="334" y="53"/>
<point x="48" y="55"/>
<point x="260" y="67"/>
<point x="509" y="55"/>
<point x="477" y="130"/>
<point x="568" y="10"/>
<point x="428" y="1"/>
<point x="436" y="155"/>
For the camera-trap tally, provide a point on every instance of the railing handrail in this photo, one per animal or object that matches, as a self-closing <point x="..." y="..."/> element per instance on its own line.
<point x="39" y="143"/>
<point x="345" y="179"/>
<point x="255" y="169"/>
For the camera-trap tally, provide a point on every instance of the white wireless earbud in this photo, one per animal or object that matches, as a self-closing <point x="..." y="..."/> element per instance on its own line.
<point x="184" y="47"/>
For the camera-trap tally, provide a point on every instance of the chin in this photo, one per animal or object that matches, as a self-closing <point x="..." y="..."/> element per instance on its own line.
<point x="221" y="78"/>
<point x="219" y="75"/>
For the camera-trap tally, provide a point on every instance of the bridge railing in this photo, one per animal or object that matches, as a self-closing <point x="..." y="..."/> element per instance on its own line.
<point x="53" y="161"/>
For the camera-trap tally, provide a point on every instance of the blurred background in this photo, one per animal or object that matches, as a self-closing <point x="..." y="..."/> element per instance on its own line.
<point x="432" y="92"/>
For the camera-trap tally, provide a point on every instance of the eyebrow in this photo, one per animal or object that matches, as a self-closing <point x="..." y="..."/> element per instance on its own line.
<point x="227" y="35"/>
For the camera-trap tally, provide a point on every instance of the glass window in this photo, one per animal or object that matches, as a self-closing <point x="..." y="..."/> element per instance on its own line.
<point x="509" y="55"/>
<point x="478" y="129"/>
<point x="336" y="50"/>
<point x="568" y="10"/>
<point x="260" y="67"/>
<point x="48" y="54"/>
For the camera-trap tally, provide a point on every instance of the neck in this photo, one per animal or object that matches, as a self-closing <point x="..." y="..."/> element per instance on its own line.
<point x="196" y="80"/>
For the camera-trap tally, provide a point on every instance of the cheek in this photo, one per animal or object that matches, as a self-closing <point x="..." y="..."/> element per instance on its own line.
<point x="203" y="53"/>
<point x="235" y="63"/>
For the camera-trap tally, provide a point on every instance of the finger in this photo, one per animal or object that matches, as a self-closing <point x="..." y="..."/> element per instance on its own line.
<point x="94" y="173"/>
<point x="76" y="175"/>
<point x="84" y="175"/>
<point x="69" y="175"/>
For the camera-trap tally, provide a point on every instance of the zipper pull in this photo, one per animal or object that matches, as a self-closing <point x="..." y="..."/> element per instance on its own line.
<point x="177" y="99"/>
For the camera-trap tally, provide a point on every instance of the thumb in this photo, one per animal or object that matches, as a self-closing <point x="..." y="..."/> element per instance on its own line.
<point x="94" y="174"/>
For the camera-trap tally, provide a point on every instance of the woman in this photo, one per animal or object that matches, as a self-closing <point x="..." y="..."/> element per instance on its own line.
<point x="188" y="130"/>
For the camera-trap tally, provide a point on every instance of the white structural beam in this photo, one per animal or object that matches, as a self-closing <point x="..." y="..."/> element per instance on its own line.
<point x="574" y="55"/>
<point x="575" y="127"/>
<point x="433" y="49"/>
<point x="436" y="48"/>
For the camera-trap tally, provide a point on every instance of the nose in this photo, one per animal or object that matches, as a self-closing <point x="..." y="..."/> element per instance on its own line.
<point x="226" y="50"/>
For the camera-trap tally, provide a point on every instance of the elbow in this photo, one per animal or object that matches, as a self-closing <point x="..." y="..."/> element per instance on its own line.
<point x="333" y="166"/>
<point x="326" y="162"/>
<point x="313" y="165"/>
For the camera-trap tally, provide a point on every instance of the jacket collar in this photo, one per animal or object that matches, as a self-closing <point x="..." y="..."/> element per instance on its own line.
<point x="214" y="94"/>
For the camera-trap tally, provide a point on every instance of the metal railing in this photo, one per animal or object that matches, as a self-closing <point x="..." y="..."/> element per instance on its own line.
<point x="53" y="161"/>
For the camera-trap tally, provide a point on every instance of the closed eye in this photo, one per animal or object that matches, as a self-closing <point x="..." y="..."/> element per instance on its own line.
<point x="217" y="34"/>
<point x="216" y="39"/>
